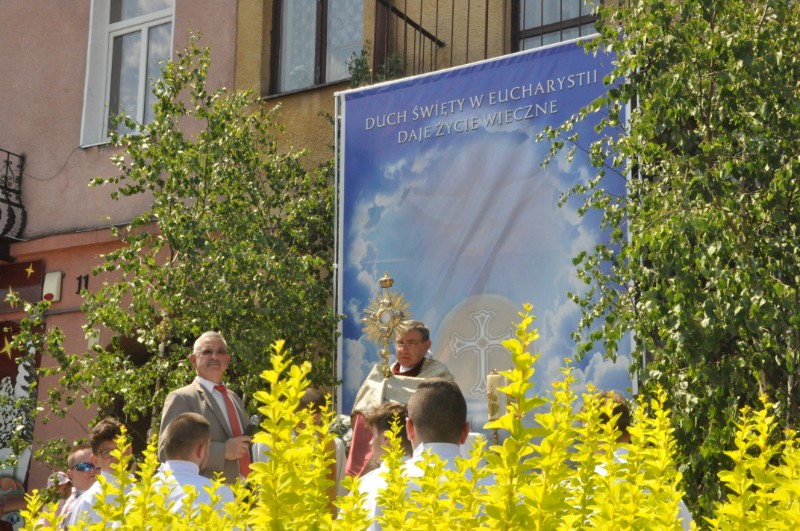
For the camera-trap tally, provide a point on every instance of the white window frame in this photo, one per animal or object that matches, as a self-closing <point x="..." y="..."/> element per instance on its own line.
<point x="97" y="86"/>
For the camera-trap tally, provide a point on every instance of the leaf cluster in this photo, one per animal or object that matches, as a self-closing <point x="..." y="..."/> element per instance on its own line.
<point x="702" y="261"/>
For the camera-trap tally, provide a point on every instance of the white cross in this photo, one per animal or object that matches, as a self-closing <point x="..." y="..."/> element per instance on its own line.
<point x="482" y="343"/>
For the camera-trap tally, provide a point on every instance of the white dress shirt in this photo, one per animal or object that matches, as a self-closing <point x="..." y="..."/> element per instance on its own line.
<point x="373" y="482"/>
<point x="218" y="397"/>
<point x="84" y="510"/>
<point x="181" y="474"/>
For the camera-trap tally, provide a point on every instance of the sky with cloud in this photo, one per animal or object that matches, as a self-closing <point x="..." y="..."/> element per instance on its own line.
<point x="464" y="209"/>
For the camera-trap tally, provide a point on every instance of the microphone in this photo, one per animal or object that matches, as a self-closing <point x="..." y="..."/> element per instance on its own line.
<point x="252" y="426"/>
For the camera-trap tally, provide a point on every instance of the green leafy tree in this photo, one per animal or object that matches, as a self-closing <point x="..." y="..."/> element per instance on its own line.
<point x="238" y="237"/>
<point x="703" y="265"/>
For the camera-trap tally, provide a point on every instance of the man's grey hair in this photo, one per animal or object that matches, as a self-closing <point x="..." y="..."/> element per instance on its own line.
<point x="210" y="333"/>
<point x="419" y="326"/>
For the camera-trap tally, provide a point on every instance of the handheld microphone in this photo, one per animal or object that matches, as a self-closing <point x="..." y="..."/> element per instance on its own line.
<point x="252" y="426"/>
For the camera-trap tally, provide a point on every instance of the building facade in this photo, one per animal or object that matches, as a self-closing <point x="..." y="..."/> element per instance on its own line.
<point x="68" y="64"/>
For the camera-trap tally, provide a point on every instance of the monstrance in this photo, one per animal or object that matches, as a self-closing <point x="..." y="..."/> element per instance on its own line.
<point x="384" y="319"/>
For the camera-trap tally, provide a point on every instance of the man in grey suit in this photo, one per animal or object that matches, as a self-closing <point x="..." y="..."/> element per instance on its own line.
<point x="207" y="396"/>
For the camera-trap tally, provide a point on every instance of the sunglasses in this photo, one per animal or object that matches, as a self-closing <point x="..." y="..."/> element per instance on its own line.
<point x="85" y="467"/>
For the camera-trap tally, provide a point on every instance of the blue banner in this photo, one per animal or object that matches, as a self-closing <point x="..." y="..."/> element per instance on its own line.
<point x="441" y="186"/>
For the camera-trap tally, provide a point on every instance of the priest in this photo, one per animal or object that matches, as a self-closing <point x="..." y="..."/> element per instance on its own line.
<point x="414" y="364"/>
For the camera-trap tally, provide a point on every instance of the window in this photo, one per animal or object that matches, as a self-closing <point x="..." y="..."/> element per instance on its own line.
<point x="549" y="21"/>
<point x="128" y="42"/>
<point x="313" y="40"/>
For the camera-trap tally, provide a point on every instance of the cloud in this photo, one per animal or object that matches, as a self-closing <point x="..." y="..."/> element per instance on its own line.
<point x="392" y="170"/>
<point x="604" y="374"/>
<point x="428" y="158"/>
<point x="357" y="364"/>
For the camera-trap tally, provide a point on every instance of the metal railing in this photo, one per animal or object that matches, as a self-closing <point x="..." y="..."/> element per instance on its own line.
<point x="415" y="37"/>
<point x="12" y="212"/>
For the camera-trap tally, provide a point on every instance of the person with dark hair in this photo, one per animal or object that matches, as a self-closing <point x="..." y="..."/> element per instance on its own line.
<point x="621" y="414"/>
<point x="103" y="442"/>
<point x="81" y="471"/>
<point x="208" y="396"/>
<point x="313" y="399"/>
<point x="436" y="424"/>
<point x="619" y="410"/>
<point x="186" y="444"/>
<point x="316" y="401"/>
<point x="414" y="364"/>
<point x="437" y="413"/>
<point x="380" y="421"/>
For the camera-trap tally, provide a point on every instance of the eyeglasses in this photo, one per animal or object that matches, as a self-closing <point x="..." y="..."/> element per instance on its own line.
<point x="85" y="467"/>
<point x="209" y="352"/>
<point x="106" y="454"/>
<point x="403" y="344"/>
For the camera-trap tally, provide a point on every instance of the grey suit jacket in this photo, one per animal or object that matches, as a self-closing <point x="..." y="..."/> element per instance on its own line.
<point x="196" y="399"/>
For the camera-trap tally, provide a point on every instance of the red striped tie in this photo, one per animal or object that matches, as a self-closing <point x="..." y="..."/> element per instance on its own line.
<point x="236" y="428"/>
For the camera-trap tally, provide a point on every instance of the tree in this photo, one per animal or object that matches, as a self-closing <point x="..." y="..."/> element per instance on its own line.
<point x="238" y="238"/>
<point x="704" y="262"/>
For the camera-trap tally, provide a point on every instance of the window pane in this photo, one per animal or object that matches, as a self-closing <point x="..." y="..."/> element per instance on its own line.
<point x="530" y="13"/>
<point x="532" y="42"/>
<point x="157" y="53"/>
<point x="551" y="38"/>
<point x="589" y="7"/>
<point x="125" y="9"/>
<point x="123" y="96"/>
<point x="570" y="9"/>
<point x="588" y="29"/>
<point x="551" y="12"/>
<point x="345" y="36"/>
<point x="298" y="38"/>
<point x="570" y="33"/>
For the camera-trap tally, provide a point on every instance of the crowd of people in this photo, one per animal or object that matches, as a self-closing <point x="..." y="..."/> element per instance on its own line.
<point x="204" y="433"/>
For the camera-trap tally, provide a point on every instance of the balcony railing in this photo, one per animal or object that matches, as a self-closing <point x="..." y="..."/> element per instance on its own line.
<point x="415" y="37"/>
<point x="12" y="213"/>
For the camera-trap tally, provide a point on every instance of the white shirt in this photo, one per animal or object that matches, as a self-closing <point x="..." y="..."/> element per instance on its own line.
<point x="209" y="386"/>
<point x="84" y="510"/>
<point x="341" y="461"/>
<point x="185" y="475"/>
<point x="373" y="482"/>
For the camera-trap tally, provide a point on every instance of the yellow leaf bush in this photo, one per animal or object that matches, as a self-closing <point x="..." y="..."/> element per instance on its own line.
<point x="560" y="474"/>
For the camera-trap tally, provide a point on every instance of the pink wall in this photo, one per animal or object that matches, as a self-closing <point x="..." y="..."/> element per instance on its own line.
<point x="74" y="255"/>
<point x="43" y="51"/>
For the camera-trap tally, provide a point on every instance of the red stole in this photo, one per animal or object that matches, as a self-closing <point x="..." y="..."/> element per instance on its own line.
<point x="413" y="372"/>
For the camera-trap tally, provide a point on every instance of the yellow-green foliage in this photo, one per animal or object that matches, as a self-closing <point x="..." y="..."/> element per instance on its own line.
<point x="564" y="473"/>
<point x="145" y="506"/>
<point x="764" y="483"/>
<point x="292" y="484"/>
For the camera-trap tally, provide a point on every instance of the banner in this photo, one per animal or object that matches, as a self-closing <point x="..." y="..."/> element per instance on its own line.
<point x="441" y="186"/>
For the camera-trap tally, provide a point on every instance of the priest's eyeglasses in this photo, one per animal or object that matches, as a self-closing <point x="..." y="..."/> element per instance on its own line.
<point x="404" y="344"/>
